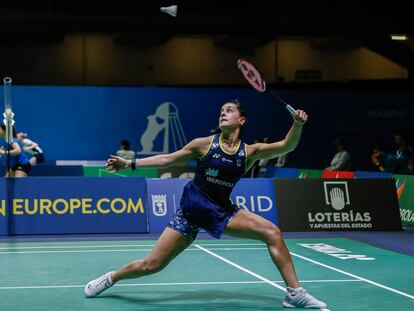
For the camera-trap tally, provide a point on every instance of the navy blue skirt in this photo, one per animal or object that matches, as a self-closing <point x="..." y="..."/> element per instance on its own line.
<point x="197" y="211"/>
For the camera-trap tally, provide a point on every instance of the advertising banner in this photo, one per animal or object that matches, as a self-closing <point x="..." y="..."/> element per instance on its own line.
<point x="364" y="174"/>
<point x="405" y="192"/>
<point x="309" y="173"/>
<point x="337" y="204"/>
<point x="100" y="171"/>
<point x="4" y="215"/>
<point x="164" y="195"/>
<point x="72" y="205"/>
<point x="176" y="172"/>
<point x="337" y="174"/>
<point x="278" y="172"/>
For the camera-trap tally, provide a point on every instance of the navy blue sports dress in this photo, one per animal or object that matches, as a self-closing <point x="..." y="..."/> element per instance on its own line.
<point x="205" y="202"/>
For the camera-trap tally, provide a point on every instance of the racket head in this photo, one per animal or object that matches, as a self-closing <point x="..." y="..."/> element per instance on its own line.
<point x="251" y="75"/>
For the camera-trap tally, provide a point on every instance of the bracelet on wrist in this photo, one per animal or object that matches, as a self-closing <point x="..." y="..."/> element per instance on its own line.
<point x="133" y="164"/>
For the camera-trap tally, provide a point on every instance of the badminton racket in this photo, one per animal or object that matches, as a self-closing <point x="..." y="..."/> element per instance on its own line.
<point x="254" y="78"/>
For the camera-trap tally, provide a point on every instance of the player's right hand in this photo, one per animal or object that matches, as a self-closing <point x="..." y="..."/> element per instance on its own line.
<point x="115" y="163"/>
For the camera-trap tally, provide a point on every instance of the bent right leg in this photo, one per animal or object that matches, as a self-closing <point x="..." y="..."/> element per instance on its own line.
<point x="170" y="244"/>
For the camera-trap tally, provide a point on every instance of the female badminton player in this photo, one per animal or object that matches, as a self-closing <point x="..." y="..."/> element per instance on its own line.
<point x="19" y="162"/>
<point x="205" y="204"/>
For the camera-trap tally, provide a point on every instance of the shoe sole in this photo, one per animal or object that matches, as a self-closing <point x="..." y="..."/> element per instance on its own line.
<point x="288" y="305"/>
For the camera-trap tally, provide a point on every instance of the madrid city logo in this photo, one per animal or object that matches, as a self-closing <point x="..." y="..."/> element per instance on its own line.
<point x="159" y="204"/>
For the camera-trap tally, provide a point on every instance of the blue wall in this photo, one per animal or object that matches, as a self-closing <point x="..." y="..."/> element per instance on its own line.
<point x="87" y="123"/>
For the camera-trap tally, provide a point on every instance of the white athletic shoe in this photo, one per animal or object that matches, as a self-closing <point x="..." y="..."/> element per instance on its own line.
<point x="97" y="286"/>
<point x="299" y="298"/>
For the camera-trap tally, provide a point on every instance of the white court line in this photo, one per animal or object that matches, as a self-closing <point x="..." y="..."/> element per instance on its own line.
<point x="119" y="245"/>
<point x="126" y="250"/>
<point x="171" y="284"/>
<point x="354" y="276"/>
<point x="241" y="268"/>
<point x="215" y="255"/>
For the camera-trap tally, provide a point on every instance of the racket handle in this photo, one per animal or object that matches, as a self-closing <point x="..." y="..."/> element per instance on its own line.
<point x="290" y="109"/>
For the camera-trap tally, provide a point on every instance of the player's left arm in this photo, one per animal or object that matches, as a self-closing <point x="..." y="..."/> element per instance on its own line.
<point x="288" y="144"/>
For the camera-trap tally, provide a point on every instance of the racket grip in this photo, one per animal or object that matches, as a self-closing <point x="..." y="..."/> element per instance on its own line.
<point x="290" y="109"/>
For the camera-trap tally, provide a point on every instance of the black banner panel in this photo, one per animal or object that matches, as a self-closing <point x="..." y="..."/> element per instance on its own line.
<point x="337" y="204"/>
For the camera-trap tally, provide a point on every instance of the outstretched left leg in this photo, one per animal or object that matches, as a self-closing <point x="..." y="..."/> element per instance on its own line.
<point x="252" y="226"/>
<point x="249" y="225"/>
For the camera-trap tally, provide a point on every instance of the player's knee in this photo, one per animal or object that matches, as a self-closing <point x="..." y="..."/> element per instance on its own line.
<point x="271" y="232"/>
<point x="153" y="265"/>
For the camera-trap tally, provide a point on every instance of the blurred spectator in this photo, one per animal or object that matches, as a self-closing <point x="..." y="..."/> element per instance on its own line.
<point x="283" y="161"/>
<point x="341" y="160"/>
<point x="31" y="148"/>
<point x="382" y="162"/>
<point x="125" y="150"/>
<point x="403" y="155"/>
<point x="18" y="162"/>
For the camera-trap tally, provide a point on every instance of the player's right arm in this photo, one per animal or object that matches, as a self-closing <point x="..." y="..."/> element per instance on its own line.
<point x="194" y="149"/>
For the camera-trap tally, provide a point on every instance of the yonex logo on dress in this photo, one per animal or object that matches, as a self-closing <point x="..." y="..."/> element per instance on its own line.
<point x="211" y="172"/>
<point x="216" y="156"/>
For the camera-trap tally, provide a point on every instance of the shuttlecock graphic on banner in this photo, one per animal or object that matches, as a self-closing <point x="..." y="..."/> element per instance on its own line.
<point x="170" y="10"/>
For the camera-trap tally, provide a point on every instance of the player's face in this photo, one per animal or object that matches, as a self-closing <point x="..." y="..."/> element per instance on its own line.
<point x="230" y="116"/>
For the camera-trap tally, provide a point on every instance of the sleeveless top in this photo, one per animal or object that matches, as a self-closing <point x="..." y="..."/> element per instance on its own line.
<point x="218" y="171"/>
<point x="18" y="159"/>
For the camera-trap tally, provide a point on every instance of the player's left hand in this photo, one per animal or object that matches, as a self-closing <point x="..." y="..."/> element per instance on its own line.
<point x="115" y="163"/>
<point x="300" y="117"/>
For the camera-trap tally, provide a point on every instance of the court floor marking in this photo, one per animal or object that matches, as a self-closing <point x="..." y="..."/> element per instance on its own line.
<point x="172" y="284"/>
<point x="126" y="250"/>
<point x="121" y="245"/>
<point x="215" y="255"/>
<point x="354" y="276"/>
<point x="307" y="259"/>
<point x="241" y="268"/>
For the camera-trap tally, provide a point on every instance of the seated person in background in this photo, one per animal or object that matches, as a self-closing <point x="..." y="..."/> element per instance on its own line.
<point x="125" y="151"/>
<point x="403" y="155"/>
<point x="284" y="161"/>
<point x="383" y="162"/>
<point x="341" y="160"/>
<point x="32" y="149"/>
<point x="19" y="162"/>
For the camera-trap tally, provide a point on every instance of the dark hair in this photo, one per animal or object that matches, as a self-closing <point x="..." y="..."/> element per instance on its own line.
<point x="403" y="135"/>
<point x="379" y="148"/>
<point x="340" y="142"/>
<point x="215" y="131"/>
<point x="3" y="127"/>
<point x="126" y="144"/>
<point x="240" y="108"/>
